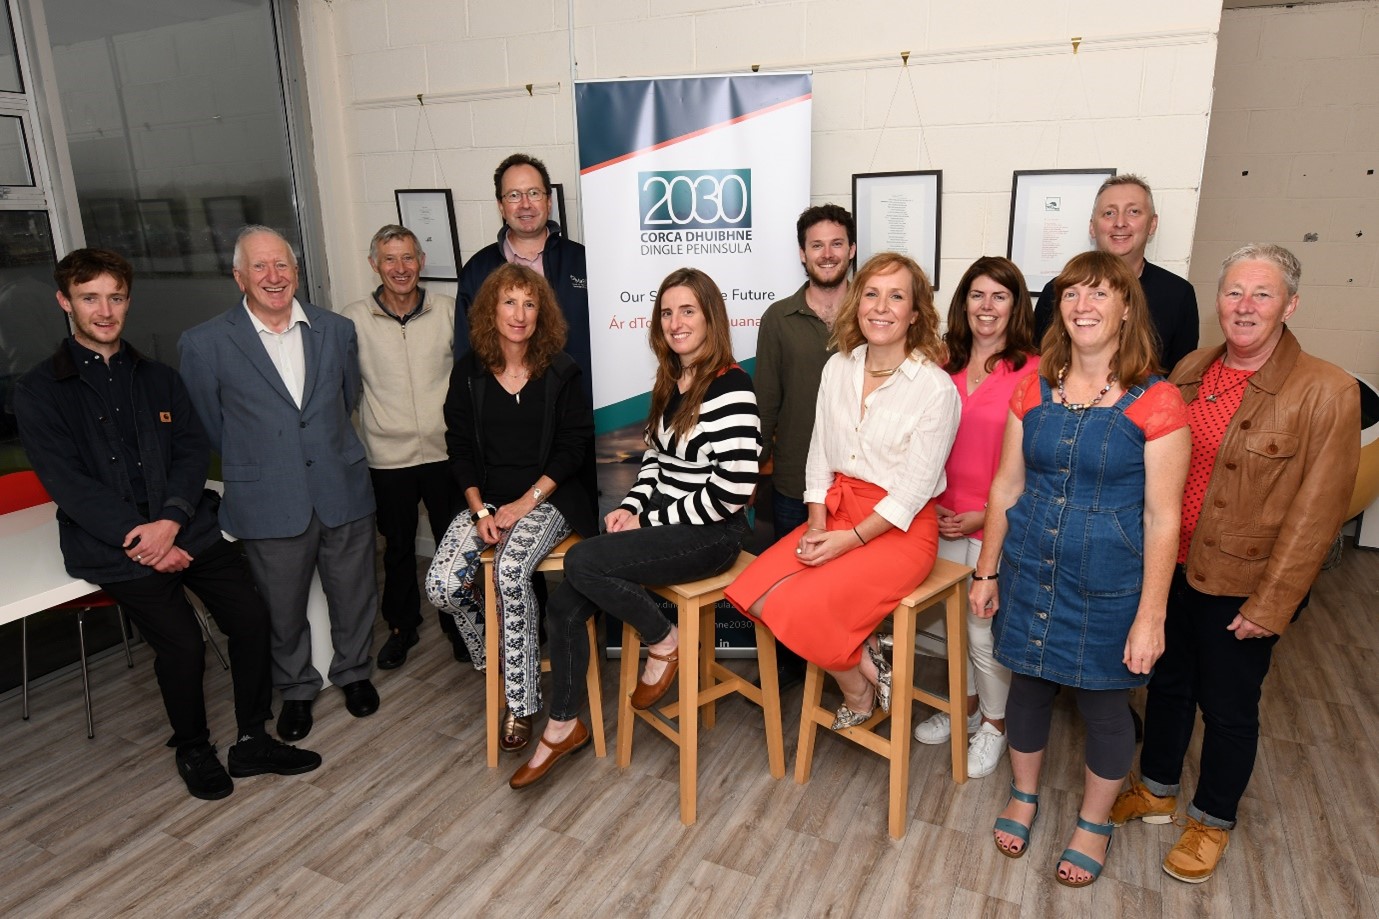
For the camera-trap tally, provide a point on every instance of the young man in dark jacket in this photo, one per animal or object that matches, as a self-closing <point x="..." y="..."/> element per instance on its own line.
<point x="116" y="442"/>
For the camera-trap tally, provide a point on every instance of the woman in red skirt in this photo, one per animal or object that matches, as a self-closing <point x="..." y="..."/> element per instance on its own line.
<point x="885" y="420"/>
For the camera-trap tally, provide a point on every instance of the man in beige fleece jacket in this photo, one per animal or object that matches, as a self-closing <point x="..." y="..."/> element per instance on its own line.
<point x="405" y="354"/>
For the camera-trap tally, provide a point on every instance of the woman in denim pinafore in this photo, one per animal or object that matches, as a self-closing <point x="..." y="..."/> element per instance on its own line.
<point x="1083" y="517"/>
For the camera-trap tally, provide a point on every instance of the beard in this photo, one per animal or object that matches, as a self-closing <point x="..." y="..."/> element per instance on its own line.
<point x="824" y="282"/>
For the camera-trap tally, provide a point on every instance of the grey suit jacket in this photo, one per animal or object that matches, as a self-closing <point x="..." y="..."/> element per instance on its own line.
<point x="280" y="463"/>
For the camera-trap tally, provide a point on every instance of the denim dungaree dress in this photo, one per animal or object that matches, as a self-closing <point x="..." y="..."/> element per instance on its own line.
<point x="1073" y="558"/>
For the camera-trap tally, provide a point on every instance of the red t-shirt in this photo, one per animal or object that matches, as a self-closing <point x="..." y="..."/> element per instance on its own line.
<point x="1158" y="412"/>
<point x="1209" y="420"/>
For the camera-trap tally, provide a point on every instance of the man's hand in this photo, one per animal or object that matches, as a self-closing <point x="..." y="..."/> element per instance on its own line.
<point x="154" y="540"/>
<point x="177" y="559"/>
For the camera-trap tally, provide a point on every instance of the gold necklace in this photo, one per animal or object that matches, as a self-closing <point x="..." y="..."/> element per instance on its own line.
<point x="883" y="373"/>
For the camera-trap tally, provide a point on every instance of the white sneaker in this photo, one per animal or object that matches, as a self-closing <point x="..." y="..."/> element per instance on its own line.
<point x="985" y="750"/>
<point x="938" y="727"/>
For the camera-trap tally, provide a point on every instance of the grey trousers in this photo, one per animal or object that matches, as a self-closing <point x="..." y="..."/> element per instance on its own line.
<point x="344" y="557"/>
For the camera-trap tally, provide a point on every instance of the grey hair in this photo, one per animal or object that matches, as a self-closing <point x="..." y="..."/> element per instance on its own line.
<point x="254" y="229"/>
<point x="1126" y="178"/>
<point x="1285" y="261"/>
<point x="390" y="233"/>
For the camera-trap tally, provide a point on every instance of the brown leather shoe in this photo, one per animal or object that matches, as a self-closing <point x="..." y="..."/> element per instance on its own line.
<point x="648" y="694"/>
<point x="528" y="774"/>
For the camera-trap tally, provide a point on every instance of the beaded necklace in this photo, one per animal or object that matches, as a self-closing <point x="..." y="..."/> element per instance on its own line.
<point x="1082" y="406"/>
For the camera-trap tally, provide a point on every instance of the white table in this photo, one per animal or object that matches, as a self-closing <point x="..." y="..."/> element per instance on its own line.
<point x="33" y="578"/>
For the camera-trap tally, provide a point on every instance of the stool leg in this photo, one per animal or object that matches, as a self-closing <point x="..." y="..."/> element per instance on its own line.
<point x="24" y="665"/>
<point x="770" y="701"/>
<point x="955" y="607"/>
<point x="124" y="636"/>
<point x="493" y="667"/>
<point x="689" y="715"/>
<point x="595" y="691"/>
<point x="206" y="630"/>
<point x="902" y="706"/>
<point x="813" y="694"/>
<point x="627" y="681"/>
<point x="85" y="676"/>
<point x="708" y="652"/>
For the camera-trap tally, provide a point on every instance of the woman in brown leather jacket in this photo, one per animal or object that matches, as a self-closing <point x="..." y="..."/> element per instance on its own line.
<point x="1275" y="447"/>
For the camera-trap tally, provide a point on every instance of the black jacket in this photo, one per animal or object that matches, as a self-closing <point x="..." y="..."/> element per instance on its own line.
<point x="567" y="437"/>
<point x="70" y="437"/>
<point x="562" y="261"/>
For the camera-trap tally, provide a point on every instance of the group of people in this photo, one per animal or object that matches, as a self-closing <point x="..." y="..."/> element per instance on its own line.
<point x="1124" y="527"/>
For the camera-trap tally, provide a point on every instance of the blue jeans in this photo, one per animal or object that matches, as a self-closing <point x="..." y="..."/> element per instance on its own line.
<point x="607" y="572"/>
<point x="787" y="513"/>
<point x="1205" y="666"/>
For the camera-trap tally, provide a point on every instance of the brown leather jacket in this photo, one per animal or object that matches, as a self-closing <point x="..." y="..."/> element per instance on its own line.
<point x="1282" y="481"/>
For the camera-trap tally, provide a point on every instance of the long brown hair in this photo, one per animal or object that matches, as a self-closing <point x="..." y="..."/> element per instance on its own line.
<point x="717" y="357"/>
<point x="922" y="334"/>
<point x="1019" y="329"/>
<point x="1136" y="356"/>
<point x="549" y="336"/>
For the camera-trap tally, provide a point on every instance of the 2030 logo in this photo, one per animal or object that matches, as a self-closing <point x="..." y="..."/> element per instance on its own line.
<point x="700" y="199"/>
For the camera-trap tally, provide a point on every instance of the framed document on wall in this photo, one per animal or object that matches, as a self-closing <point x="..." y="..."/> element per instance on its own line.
<point x="430" y="213"/>
<point x="1049" y="215"/>
<point x="899" y="212"/>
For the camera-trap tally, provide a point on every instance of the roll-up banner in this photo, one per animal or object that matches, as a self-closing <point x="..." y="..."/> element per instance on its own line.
<point x="703" y="171"/>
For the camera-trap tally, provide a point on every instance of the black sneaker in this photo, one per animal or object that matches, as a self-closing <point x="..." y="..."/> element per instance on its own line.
<point x="265" y="754"/>
<point x="393" y="654"/>
<point x="200" y="768"/>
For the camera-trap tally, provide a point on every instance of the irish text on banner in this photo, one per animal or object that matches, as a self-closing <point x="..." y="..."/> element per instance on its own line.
<point x="709" y="172"/>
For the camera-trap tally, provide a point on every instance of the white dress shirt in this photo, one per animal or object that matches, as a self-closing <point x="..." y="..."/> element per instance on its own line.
<point x="285" y="349"/>
<point x="899" y="440"/>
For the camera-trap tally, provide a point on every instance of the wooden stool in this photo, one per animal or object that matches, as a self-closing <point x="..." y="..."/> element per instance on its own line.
<point x="705" y="684"/>
<point x="947" y="583"/>
<point x="494" y="697"/>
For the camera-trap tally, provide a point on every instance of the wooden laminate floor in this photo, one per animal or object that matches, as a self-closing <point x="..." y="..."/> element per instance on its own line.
<point x="404" y="819"/>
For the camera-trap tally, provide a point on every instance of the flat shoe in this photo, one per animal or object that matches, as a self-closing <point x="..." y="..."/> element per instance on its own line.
<point x="1015" y="828"/>
<point x="527" y="774"/>
<point x="1081" y="859"/>
<point x="648" y="694"/>
<point x="515" y="733"/>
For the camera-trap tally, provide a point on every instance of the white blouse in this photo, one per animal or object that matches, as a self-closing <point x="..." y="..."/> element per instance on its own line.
<point x="900" y="442"/>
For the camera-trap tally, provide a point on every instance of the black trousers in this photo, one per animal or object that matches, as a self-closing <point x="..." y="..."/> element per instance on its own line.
<point x="397" y="493"/>
<point x="158" y="605"/>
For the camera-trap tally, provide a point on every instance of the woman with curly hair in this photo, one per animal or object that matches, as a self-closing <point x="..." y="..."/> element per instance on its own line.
<point x="520" y="435"/>
<point x="883" y="425"/>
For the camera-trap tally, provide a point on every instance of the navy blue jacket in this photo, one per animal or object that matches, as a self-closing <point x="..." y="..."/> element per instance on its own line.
<point x="562" y="261"/>
<point x="68" y="432"/>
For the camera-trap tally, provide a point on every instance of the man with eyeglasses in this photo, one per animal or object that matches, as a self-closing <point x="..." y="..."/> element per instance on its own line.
<point x="529" y="237"/>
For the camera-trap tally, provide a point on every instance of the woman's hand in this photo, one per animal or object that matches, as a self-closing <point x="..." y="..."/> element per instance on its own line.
<point x="1244" y="628"/>
<point x="959" y="526"/>
<point x="488" y="530"/>
<point x="621" y="519"/>
<point x="984" y="598"/>
<point x="819" y="546"/>
<point x="1144" y="644"/>
<point x="509" y="514"/>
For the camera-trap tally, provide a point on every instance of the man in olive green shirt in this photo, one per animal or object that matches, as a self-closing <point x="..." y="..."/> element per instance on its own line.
<point x="792" y="348"/>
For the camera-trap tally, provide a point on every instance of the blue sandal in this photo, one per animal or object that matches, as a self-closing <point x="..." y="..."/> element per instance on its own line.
<point x="1082" y="860"/>
<point x="1019" y="830"/>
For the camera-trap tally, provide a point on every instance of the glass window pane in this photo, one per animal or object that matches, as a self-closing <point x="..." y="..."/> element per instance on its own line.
<point x="31" y="322"/>
<point x="10" y="81"/>
<point x="178" y="137"/>
<point x="14" y="155"/>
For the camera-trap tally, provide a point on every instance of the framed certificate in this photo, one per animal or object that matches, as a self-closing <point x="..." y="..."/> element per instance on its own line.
<point x="899" y="212"/>
<point x="430" y="213"/>
<point x="1049" y="214"/>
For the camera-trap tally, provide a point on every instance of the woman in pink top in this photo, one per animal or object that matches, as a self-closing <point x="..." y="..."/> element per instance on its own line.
<point x="990" y="342"/>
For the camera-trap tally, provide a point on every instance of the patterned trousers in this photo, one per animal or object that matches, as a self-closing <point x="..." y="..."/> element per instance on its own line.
<point x="454" y="585"/>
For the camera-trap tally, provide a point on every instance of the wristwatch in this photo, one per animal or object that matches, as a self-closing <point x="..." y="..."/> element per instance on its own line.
<point x="480" y="514"/>
<point x="537" y="494"/>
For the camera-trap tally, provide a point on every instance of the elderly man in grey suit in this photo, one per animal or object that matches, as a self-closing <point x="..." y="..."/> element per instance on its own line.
<point x="274" y="382"/>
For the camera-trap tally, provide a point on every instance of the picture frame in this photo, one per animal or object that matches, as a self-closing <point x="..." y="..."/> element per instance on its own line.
<point x="1049" y="212"/>
<point x="899" y="212"/>
<point x="558" y="208"/>
<point x="225" y="215"/>
<point x="430" y="214"/>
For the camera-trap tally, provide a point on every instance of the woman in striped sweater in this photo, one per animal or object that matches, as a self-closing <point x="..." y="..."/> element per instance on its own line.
<point x="682" y="520"/>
